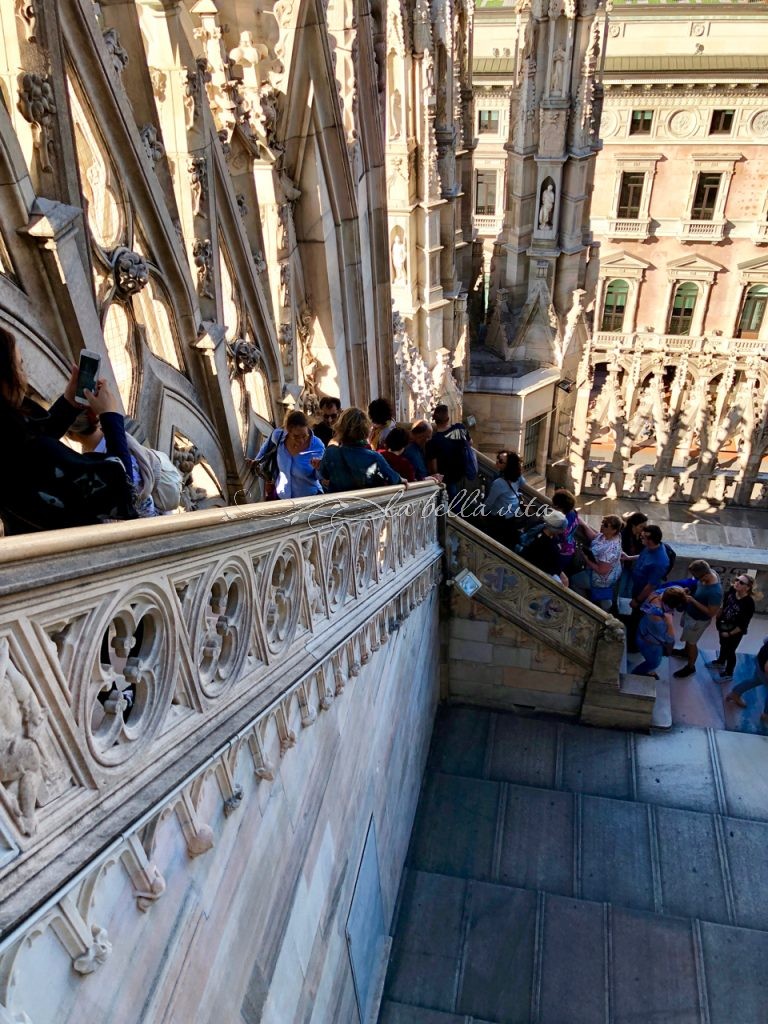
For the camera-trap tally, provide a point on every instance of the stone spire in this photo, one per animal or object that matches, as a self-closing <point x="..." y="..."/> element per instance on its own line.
<point x="540" y="263"/>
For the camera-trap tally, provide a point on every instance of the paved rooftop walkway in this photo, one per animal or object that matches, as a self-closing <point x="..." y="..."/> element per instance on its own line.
<point x="565" y="875"/>
<point x="700" y="699"/>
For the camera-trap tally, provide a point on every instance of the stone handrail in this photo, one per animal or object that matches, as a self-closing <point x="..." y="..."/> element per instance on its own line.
<point x="132" y="654"/>
<point x="528" y="597"/>
<point x="587" y="642"/>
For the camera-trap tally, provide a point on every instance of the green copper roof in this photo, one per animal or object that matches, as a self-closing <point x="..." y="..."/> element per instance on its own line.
<point x="493" y="66"/>
<point x="687" y="63"/>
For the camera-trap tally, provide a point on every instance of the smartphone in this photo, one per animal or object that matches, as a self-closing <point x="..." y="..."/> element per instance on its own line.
<point x="87" y="375"/>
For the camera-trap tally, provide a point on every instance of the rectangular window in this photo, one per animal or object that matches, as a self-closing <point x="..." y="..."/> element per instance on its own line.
<point x="722" y="122"/>
<point x="705" y="197"/>
<point x="488" y="122"/>
<point x="485" y="193"/>
<point x="640" y="122"/>
<point x="531" y="441"/>
<point x="630" y="195"/>
<point x="683" y="306"/>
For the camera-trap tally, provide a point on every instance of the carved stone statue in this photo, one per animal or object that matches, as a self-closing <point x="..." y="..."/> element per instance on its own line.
<point x="395" y="114"/>
<point x="558" y="60"/>
<point x="21" y="762"/>
<point x="547" y="206"/>
<point x="398" y="259"/>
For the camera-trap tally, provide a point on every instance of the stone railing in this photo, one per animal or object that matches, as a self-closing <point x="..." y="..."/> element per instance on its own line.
<point x="524" y="640"/>
<point x="487" y="224"/>
<point x="628" y="227"/>
<point x="709" y="344"/>
<point x="134" y="657"/>
<point x="702" y="230"/>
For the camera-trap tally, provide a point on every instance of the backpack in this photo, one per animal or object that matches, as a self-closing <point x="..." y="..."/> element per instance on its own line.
<point x="462" y="457"/>
<point x="166" y="493"/>
<point x="68" y="489"/>
<point x="162" y="480"/>
<point x="672" y="556"/>
<point x="527" y="537"/>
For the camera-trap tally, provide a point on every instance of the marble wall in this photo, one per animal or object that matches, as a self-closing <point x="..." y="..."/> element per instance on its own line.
<point x="254" y="929"/>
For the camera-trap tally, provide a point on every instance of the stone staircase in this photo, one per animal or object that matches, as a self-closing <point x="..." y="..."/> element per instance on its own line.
<point x="561" y="874"/>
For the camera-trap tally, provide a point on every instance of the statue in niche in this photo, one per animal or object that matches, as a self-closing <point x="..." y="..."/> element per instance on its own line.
<point x="22" y="763"/>
<point x="429" y="72"/>
<point x="547" y="205"/>
<point x="398" y="259"/>
<point x="558" y="61"/>
<point x="395" y="114"/>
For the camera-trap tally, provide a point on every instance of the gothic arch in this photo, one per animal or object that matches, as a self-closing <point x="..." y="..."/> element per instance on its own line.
<point x="316" y="159"/>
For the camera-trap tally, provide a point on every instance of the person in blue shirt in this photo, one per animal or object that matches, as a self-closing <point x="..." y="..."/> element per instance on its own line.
<point x="656" y="630"/>
<point x="351" y="465"/>
<point x="650" y="568"/>
<point x="415" y="452"/>
<point x="704" y="602"/>
<point x="298" y="455"/>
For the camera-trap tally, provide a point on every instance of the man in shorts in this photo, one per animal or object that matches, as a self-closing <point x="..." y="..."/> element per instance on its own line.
<point x="702" y="607"/>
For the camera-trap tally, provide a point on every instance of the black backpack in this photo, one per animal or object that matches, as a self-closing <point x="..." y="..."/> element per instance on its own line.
<point x="672" y="556"/>
<point x="55" y="488"/>
<point x="461" y="458"/>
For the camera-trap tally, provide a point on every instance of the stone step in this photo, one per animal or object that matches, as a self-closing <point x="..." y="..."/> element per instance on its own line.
<point x="662" y="709"/>
<point x="634" y="854"/>
<point x="694" y="769"/>
<point x="472" y="951"/>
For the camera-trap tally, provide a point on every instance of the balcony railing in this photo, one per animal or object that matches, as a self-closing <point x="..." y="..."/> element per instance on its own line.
<point x="702" y="230"/>
<point x="760" y="236"/>
<point x="712" y="344"/>
<point x="486" y="225"/>
<point x="629" y="228"/>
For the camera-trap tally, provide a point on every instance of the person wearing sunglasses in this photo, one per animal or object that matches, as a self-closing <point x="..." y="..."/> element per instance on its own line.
<point x="732" y="622"/>
<point x="330" y="410"/>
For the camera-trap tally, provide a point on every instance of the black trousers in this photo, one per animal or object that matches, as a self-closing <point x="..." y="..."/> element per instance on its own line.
<point x="728" y="645"/>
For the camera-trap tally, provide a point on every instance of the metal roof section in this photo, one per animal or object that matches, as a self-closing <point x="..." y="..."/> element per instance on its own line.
<point x="757" y="64"/>
<point x="493" y="66"/>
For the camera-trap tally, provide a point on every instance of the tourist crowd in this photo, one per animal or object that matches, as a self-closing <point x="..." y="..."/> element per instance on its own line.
<point x="623" y="567"/>
<point x="350" y="449"/>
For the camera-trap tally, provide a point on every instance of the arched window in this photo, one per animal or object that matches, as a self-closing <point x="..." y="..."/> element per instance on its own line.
<point x="753" y="312"/>
<point x="615" y="303"/>
<point x="682" y="308"/>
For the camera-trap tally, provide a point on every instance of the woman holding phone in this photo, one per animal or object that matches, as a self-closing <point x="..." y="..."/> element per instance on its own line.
<point x="44" y="484"/>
